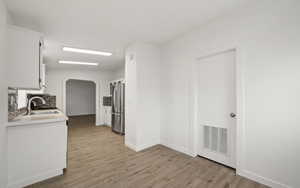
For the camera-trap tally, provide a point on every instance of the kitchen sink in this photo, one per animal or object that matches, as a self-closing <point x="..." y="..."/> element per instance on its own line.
<point x="44" y="112"/>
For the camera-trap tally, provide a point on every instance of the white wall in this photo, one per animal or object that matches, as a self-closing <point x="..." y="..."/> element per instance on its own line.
<point x="267" y="37"/>
<point x="131" y="99"/>
<point x="80" y="97"/>
<point x="55" y="81"/>
<point x="142" y="101"/>
<point x="3" y="97"/>
<point x="118" y="74"/>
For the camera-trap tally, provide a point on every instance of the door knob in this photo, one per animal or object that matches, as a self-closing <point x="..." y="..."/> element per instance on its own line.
<point x="233" y="115"/>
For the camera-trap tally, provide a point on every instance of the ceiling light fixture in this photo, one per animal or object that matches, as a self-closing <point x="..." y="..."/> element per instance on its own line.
<point x="78" y="63"/>
<point x="84" y="51"/>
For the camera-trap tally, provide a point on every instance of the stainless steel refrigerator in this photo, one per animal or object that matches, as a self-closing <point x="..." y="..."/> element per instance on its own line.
<point x="117" y="90"/>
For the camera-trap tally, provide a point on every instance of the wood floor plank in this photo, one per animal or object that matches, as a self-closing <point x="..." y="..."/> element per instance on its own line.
<point x="97" y="158"/>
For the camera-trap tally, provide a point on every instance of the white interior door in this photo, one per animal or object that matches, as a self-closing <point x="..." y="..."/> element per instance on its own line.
<point x="216" y="96"/>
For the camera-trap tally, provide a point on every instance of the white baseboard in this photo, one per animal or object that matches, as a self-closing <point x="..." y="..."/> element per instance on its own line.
<point x="131" y="146"/>
<point x="103" y="124"/>
<point x="178" y="148"/>
<point x="140" y="147"/>
<point x="34" y="179"/>
<point x="261" y="179"/>
<point x="145" y="146"/>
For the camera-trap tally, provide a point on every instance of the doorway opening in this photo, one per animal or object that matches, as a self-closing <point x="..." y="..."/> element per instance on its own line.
<point x="80" y="101"/>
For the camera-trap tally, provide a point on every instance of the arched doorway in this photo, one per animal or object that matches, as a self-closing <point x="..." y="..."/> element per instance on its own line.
<point x="95" y="95"/>
<point x="81" y="99"/>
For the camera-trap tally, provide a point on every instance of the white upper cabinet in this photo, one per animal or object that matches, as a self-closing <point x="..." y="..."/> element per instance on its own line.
<point x="24" y="58"/>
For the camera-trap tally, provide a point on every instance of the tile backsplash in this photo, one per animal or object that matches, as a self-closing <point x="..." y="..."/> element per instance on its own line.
<point x="13" y="109"/>
<point x="17" y="102"/>
<point x="50" y="101"/>
<point x="12" y="100"/>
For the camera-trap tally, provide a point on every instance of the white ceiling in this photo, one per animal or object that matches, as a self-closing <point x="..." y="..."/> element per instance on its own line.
<point x="111" y="25"/>
<point x="53" y="53"/>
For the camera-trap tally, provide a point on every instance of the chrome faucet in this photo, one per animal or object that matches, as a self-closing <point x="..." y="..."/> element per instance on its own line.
<point x="30" y="101"/>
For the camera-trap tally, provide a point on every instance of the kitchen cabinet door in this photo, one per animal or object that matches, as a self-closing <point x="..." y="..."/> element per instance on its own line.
<point x="24" y="58"/>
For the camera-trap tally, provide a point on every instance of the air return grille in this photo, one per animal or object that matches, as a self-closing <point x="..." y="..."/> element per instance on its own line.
<point x="215" y="139"/>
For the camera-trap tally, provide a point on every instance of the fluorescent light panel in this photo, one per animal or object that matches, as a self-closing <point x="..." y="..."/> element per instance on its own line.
<point x="84" y="51"/>
<point x="78" y="63"/>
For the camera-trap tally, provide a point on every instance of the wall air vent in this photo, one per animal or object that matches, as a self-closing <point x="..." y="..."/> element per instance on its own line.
<point x="215" y="139"/>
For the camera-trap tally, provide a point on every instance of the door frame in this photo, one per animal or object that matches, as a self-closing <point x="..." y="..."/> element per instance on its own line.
<point x="97" y="100"/>
<point x="240" y="134"/>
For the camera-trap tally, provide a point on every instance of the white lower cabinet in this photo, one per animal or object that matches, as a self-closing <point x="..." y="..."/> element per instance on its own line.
<point x="36" y="152"/>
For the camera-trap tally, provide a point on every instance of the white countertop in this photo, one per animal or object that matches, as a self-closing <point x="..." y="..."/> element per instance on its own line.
<point x="38" y="118"/>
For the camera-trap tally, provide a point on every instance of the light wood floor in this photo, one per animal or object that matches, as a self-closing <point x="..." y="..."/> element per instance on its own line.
<point x="97" y="158"/>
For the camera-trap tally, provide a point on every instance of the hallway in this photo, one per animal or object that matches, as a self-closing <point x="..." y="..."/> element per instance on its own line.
<point x="97" y="158"/>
